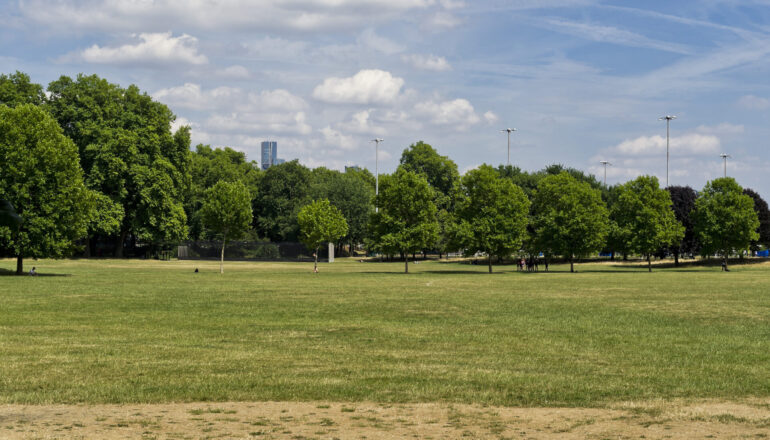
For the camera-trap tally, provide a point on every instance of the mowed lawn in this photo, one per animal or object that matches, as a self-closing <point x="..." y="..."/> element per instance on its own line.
<point x="118" y="331"/>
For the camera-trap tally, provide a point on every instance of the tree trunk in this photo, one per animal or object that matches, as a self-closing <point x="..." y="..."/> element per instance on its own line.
<point x="222" y="258"/>
<point x="676" y="259"/>
<point x="571" y="263"/>
<point x="724" y="258"/>
<point x="406" y="264"/>
<point x="649" y="263"/>
<point x="121" y="240"/>
<point x="315" y="261"/>
<point x="19" y="265"/>
<point x="88" y="246"/>
<point x="489" y="261"/>
<point x="612" y="256"/>
<point x="625" y="256"/>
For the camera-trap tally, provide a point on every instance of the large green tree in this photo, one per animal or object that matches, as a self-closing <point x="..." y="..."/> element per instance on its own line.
<point x="725" y="220"/>
<point x="320" y="223"/>
<point x="492" y="214"/>
<point x="209" y="166"/>
<point x="226" y="213"/>
<point x="683" y="203"/>
<point x="41" y="177"/>
<point x="440" y="171"/>
<point x="406" y="221"/>
<point x="283" y="190"/>
<point x="17" y="89"/>
<point x="128" y="153"/>
<point x="644" y="220"/>
<point x="569" y="217"/>
<point x="351" y="194"/>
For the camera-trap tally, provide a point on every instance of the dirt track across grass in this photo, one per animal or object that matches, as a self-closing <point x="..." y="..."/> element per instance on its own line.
<point x="327" y="420"/>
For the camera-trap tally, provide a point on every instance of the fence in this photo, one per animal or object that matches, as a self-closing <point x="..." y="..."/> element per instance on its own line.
<point x="247" y="251"/>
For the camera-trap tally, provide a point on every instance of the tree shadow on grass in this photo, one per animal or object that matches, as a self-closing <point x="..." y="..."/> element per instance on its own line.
<point x="12" y="273"/>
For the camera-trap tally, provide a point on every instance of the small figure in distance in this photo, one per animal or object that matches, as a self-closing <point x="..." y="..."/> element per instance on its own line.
<point x="196" y="270"/>
<point x="33" y="272"/>
<point x="546" y="264"/>
<point x="724" y="266"/>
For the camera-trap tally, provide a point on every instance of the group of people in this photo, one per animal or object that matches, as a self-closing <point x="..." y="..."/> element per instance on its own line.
<point x="530" y="264"/>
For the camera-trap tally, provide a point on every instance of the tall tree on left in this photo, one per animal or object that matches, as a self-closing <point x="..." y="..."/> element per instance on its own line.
<point x="41" y="177"/>
<point x="128" y="153"/>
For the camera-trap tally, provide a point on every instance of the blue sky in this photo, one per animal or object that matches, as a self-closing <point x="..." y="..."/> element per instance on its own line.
<point x="581" y="80"/>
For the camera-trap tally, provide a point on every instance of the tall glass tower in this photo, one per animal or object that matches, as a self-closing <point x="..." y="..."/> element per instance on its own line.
<point x="269" y="154"/>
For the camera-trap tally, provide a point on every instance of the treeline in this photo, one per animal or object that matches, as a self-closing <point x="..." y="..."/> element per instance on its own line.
<point x="87" y="162"/>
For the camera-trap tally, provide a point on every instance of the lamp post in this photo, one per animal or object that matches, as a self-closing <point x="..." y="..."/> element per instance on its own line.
<point x="509" y="131"/>
<point x="724" y="158"/>
<point x="668" y="119"/>
<point x="376" y="168"/>
<point x="605" y="163"/>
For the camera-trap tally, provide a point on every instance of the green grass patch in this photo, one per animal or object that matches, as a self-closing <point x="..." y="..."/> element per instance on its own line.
<point x="119" y="331"/>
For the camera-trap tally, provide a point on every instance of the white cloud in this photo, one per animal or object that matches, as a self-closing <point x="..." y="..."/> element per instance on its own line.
<point x="335" y="138"/>
<point x="158" y="48"/>
<point x="458" y="113"/>
<point x="608" y="34"/>
<point x="692" y="143"/>
<point x="427" y="62"/>
<point x="365" y="87"/>
<point x="192" y="96"/>
<point x="268" y="123"/>
<point x="490" y="117"/>
<point x="752" y="102"/>
<point x="234" y="72"/>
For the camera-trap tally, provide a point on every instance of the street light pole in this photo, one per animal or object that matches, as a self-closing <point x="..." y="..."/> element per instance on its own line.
<point x="509" y="131"/>
<point x="724" y="157"/>
<point x="376" y="168"/>
<point x="605" y="163"/>
<point x="668" y="119"/>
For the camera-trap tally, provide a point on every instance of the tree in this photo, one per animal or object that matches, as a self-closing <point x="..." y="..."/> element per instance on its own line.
<point x="683" y="203"/>
<point x="320" y="222"/>
<point x="17" y="89"/>
<point x="348" y="192"/>
<point x="209" y="166"/>
<point x="283" y="190"/>
<point x="8" y="215"/>
<point x="227" y="212"/>
<point x="128" y="153"/>
<point x="492" y="214"/>
<point x="763" y="214"/>
<point x="440" y="171"/>
<point x="643" y="217"/>
<point x="42" y="179"/>
<point x="406" y="221"/>
<point x="725" y="219"/>
<point x="569" y="217"/>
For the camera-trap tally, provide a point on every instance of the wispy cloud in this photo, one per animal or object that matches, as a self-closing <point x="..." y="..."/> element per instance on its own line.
<point x="612" y="35"/>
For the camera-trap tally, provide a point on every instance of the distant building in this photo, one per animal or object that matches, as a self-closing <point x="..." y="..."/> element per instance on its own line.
<point x="352" y="168"/>
<point x="269" y="154"/>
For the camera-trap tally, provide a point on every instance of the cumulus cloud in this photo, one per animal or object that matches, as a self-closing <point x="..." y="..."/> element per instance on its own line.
<point x="365" y="87"/>
<point x="153" y="48"/>
<point x="693" y="143"/>
<point x="490" y="117"/>
<point x="458" y="113"/>
<point x="427" y="62"/>
<point x="192" y="96"/>
<point x="752" y="102"/>
<point x="335" y="138"/>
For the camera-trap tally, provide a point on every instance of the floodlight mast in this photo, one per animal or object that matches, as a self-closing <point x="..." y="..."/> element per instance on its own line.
<point x="668" y="119"/>
<point x="509" y="131"/>
<point x="605" y="163"/>
<point x="724" y="158"/>
<point x="376" y="168"/>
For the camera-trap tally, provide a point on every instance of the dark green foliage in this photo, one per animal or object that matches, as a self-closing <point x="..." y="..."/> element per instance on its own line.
<point x="683" y="203"/>
<point x="492" y="214"/>
<point x="406" y="222"/>
<point x="226" y="212"/>
<point x="349" y="192"/>
<point x="725" y="220"/>
<point x="283" y="190"/>
<point x="128" y="153"/>
<point x="763" y="214"/>
<point x="320" y="223"/>
<point x="440" y="171"/>
<point x="8" y="216"/>
<point x="41" y="178"/>
<point x="209" y="166"/>
<point x="17" y="89"/>
<point x="569" y="217"/>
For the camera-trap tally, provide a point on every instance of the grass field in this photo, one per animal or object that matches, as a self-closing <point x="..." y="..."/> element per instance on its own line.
<point x="120" y="331"/>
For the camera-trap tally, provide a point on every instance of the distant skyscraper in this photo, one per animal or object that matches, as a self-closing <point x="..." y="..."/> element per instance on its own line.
<point x="269" y="154"/>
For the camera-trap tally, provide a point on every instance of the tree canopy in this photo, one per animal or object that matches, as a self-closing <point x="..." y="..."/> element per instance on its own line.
<point x="725" y="220"/>
<point x="492" y="214"/>
<point x="568" y="217"/>
<point x="644" y="220"/>
<point x="42" y="179"/>
<point x="406" y="221"/>
<point x="226" y="212"/>
<point x="16" y="89"/>
<point x="683" y="203"/>
<point x="283" y="190"/>
<point x="763" y="214"/>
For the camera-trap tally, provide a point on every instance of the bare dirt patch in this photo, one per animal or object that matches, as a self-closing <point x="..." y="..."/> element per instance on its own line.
<point x="330" y="420"/>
